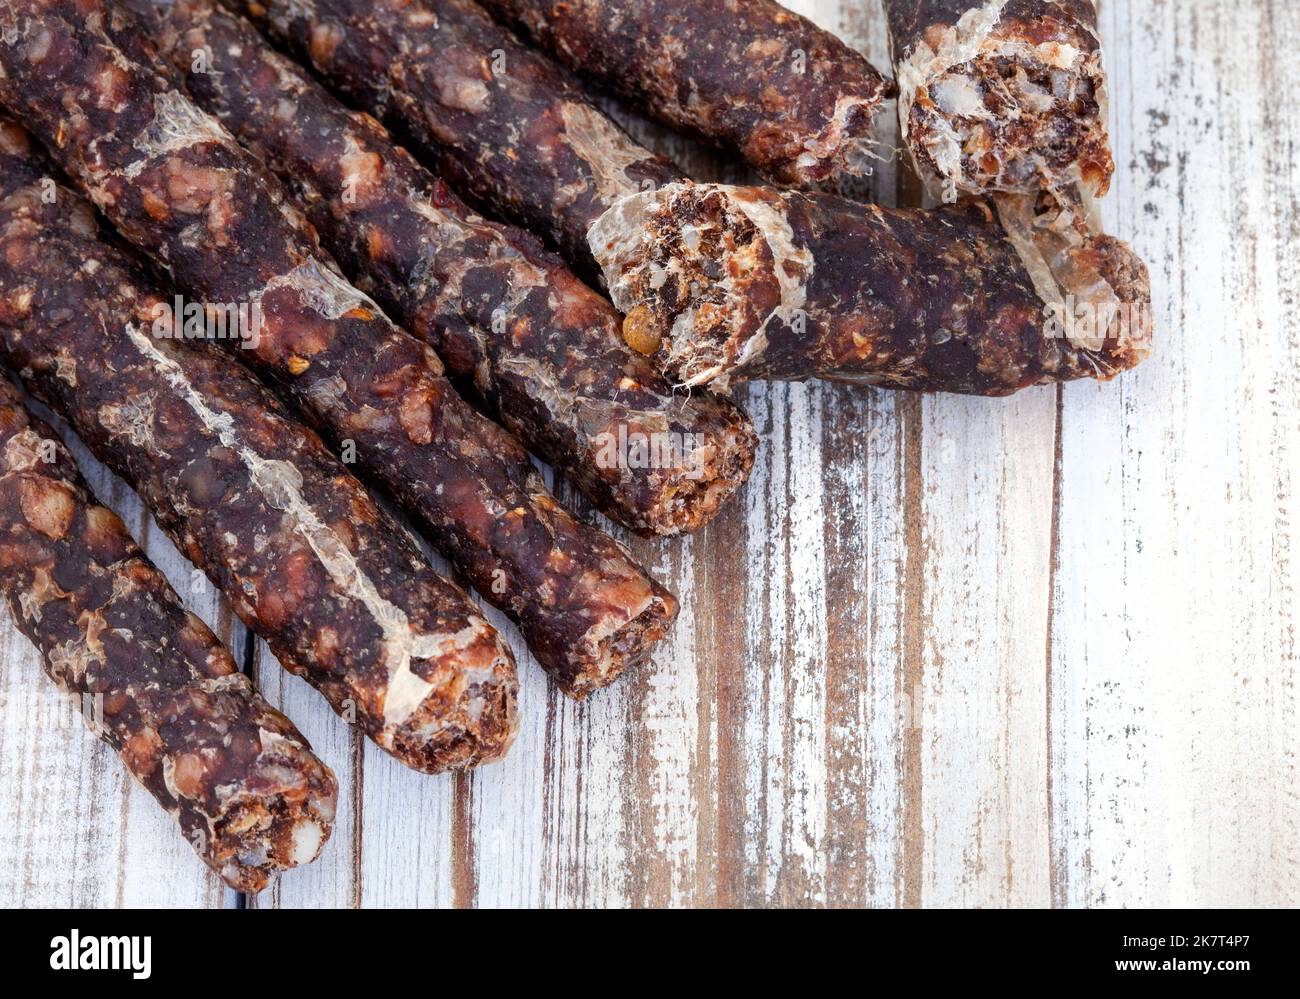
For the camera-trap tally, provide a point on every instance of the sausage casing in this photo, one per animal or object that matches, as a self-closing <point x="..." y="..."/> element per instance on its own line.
<point x="154" y="683"/>
<point x="177" y="185"/>
<point x="510" y="321"/>
<point x="308" y="559"/>
<point x="740" y="283"/>
<point x="796" y="102"/>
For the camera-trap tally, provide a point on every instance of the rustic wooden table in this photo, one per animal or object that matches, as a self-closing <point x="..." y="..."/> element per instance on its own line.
<point x="943" y="651"/>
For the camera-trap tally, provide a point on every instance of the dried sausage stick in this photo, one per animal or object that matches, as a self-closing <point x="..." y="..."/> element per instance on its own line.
<point x="503" y="124"/>
<point x="240" y="781"/>
<point x="309" y="561"/>
<point x="795" y="101"/>
<point x="542" y="350"/>
<point x="1002" y="96"/>
<point x="959" y="341"/>
<point x="178" y="185"/>
<point x="736" y="283"/>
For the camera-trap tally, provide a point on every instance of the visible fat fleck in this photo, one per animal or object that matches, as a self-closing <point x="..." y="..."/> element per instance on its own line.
<point x="606" y="150"/>
<point x="960" y="95"/>
<point x="461" y="92"/>
<point x="70" y="661"/>
<point x="177" y="124"/>
<point x="450" y="225"/>
<point x="308" y="838"/>
<point x="322" y="289"/>
<point x="22" y="452"/>
<point x="133" y="419"/>
<point x="43" y="589"/>
<point x="65" y="367"/>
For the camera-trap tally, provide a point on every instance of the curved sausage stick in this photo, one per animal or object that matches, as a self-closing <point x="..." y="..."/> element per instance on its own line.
<point x="1002" y="96"/>
<point x="539" y="348"/>
<point x="307" y="558"/>
<point x="735" y="283"/>
<point x="178" y="186"/>
<point x="795" y="101"/>
<point x="155" y="684"/>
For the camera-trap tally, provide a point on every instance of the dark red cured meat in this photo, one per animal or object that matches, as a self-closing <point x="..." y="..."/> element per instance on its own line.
<point x="309" y="561"/>
<point x="795" y="101"/>
<point x="738" y="283"/>
<point x="153" y="682"/>
<point x="1002" y="96"/>
<point x="503" y="124"/>
<point x="177" y="184"/>
<point x="542" y="350"/>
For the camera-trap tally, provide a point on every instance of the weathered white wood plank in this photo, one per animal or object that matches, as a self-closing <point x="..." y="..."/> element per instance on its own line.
<point x="987" y="471"/>
<point x="1174" y="661"/>
<point x="785" y="699"/>
<point x="868" y="716"/>
<point x="510" y="807"/>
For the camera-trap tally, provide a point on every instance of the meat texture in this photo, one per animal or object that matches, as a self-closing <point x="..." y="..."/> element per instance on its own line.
<point x="175" y="183"/>
<point x="152" y="681"/>
<point x="309" y="561"/>
<point x="796" y="102"/>
<point x="1002" y="96"/>
<point x="737" y="283"/>
<point x="510" y="321"/>
<point x="503" y="124"/>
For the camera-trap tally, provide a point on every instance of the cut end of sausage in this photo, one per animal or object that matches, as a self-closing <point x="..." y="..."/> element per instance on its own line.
<point x="281" y="814"/>
<point x="1007" y="107"/>
<point x="264" y="835"/>
<point x="699" y="270"/>
<point x="468" y="712"/>
<point x="625" y="647"/>
<point x="690" y="496"/>
<point x="1096" y="290"/>
<point x="1126" y="339"/>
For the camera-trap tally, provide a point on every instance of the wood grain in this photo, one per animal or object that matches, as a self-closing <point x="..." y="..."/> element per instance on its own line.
<point x="1038" y="651"/>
